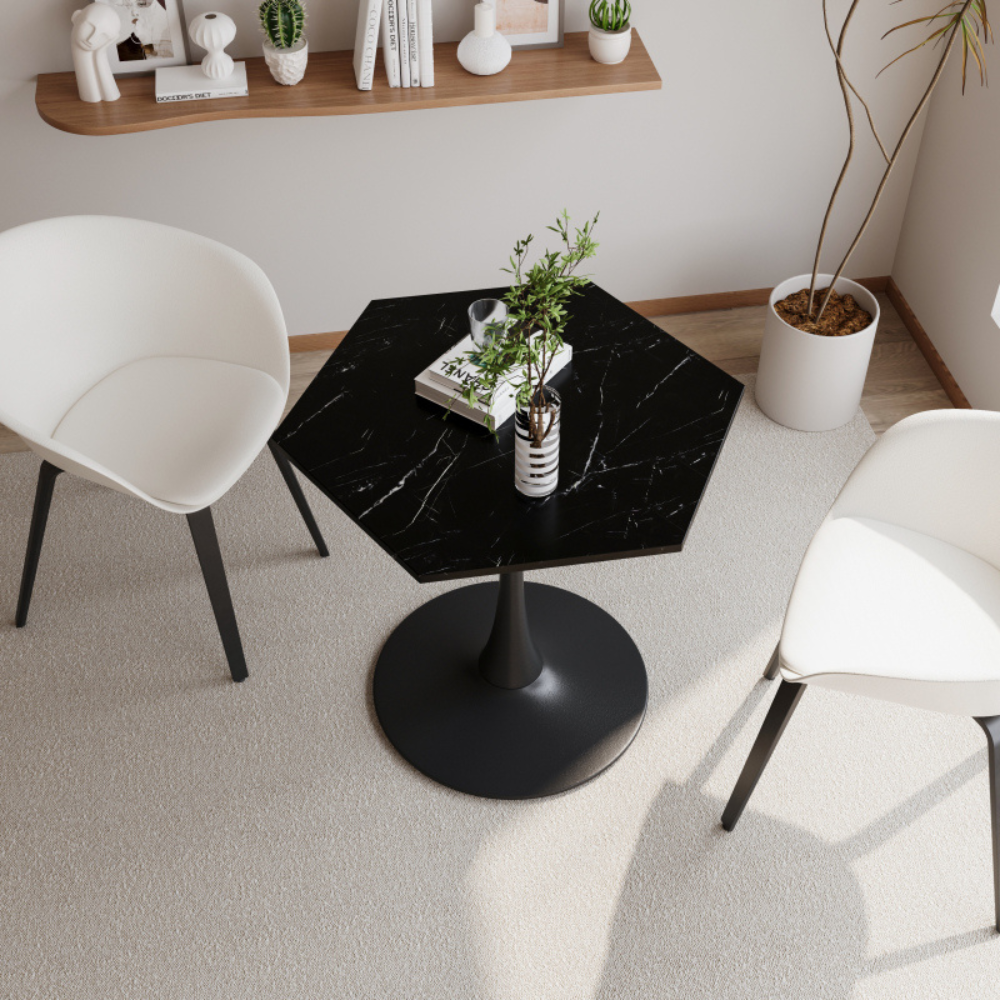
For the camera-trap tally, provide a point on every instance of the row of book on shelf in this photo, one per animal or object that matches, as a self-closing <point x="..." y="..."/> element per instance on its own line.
<point x="406" y="30"/>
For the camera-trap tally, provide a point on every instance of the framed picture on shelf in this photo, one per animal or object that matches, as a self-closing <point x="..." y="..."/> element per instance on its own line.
<point x="531" y="24"/>
<point x="153" y="34"/>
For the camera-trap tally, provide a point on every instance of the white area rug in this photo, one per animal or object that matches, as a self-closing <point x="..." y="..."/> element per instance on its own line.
<point x="167" y="834"/>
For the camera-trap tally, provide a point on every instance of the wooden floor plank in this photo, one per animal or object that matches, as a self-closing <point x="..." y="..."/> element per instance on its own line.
<point x="900" y="381"/>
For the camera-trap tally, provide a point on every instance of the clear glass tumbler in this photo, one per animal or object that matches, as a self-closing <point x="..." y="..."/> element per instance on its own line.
<point x="487" y="318"/>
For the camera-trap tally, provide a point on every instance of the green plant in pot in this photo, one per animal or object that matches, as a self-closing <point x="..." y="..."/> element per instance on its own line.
<point x="518" y="357"/>
<point x="610" y="30"/>
<point x="820" y="327"/>
<point x="285" y="48"/>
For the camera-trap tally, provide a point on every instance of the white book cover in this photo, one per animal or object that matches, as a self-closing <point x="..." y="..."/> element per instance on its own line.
<point x="390" y="42"/>
<point x="366" y="42"/>
<point x="404" y="44"/>
<point x="414" y="42"/>
<point x="425" y="39"/>
<point x="189" y="83"/>
<point x="434" y="384"/>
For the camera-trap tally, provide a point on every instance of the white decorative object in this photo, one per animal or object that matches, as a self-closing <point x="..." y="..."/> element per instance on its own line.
<point x="807" y="381"/>
<point x="536" y="466"/>
<point x="484" y="51"/>
<point x="609" y="47"/>
<point x="95" y="30"/>
<point x="214" y="31"/>
<point x="287" y="66"/>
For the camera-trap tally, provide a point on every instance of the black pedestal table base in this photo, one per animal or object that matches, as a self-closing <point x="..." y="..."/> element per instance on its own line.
<point x="510" y="691"/>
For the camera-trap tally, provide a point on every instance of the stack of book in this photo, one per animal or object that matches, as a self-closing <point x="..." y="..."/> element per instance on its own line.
<point x="436" y="384"/>
<point x="407" y="32"/>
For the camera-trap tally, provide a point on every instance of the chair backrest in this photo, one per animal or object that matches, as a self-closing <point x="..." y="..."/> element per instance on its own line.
<point x="938" y="473"/>
<point x="83" y="295"/>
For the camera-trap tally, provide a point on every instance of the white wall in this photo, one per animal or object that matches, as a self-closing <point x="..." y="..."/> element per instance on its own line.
<point x="948" y="261"/>
<point x="716" y="183"/>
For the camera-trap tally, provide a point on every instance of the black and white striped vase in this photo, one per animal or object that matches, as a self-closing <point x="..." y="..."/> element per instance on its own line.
<point x="536" y="462"/>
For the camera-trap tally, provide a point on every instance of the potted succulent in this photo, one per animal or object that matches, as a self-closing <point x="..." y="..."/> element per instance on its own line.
<point x="286" y="50"/>
<point x="517" y="359"/>
<point x="610" y="30"/>
<point x="819" y="328"/>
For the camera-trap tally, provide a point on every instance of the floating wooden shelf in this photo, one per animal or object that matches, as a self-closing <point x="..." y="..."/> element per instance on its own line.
<point x="329" y="89"/>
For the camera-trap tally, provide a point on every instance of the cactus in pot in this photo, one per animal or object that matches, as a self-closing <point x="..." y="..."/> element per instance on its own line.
<point x="610" y="30"/>
<point x="285" y="48"/>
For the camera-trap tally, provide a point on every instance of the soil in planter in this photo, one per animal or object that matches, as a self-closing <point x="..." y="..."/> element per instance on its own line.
<point x="842" y="315"/>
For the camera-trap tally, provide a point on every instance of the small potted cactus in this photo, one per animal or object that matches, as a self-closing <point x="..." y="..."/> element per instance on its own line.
<point x="610" y="30"/>
<point x="285" y="48"/>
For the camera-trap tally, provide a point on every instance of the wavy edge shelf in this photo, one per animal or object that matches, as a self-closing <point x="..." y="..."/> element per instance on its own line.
<point x="329" y="89"/>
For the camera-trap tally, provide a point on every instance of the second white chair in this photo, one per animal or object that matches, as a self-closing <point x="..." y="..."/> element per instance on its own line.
<point x="147" y="359"/>
<point x="898" y="596"/>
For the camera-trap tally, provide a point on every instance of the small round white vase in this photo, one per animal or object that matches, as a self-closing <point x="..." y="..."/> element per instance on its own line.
<point x="609" y="47"/>
<point x="807" y="381"/>
<point x="214" y="31"/>
<point x="484" y="51"/>
<point x="287" y="66"/>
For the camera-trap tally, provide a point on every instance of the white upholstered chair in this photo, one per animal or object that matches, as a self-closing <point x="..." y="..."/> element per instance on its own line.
<point x="149" y="360"/>
<point x="898" y="595"/>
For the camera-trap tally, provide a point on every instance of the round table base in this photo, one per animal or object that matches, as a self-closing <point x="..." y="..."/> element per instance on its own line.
<point x="564" y="728"/>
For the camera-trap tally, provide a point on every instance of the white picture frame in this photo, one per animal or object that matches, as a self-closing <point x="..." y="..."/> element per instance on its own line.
<point x="531" y="24"/>
<point x="153" y="34"/>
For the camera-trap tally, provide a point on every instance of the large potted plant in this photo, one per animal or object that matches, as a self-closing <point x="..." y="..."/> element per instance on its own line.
<point x="820" y="327"/>
<point x="518" y="357"/>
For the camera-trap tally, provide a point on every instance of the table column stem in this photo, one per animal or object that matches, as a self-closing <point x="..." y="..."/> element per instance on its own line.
<point x="511" y="659"/>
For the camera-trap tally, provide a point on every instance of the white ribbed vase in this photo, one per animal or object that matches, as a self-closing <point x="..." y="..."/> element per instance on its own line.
<point x="536" y="467"/>
<point x="214" y="31"/>
<point x="287" y="66"/>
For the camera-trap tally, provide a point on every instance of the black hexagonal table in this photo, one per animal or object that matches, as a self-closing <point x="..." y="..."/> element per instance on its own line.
<point x="511" y="690"/>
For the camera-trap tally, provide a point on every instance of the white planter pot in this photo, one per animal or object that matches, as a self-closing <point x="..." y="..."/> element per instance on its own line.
<point x="287" y="66"/>
<point x="810" y="382"/>
<point x="609" y="47"/>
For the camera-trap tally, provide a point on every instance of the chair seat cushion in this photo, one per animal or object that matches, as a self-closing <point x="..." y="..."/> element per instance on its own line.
<point x="892" y="613"/>
<point x="181" y="430"/>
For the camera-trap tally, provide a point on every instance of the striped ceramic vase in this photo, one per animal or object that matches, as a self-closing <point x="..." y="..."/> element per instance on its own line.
<point x="536" y="462"/>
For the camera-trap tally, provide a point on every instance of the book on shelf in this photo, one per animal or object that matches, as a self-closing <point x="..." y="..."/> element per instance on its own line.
<point x="435" y="384"/>
<point x="390" y="41"/>
<point x="189" y="83"/>
<point x="413" y="43"/>
<point x="404" y="43"/>
<point x="425" y="42"/>
<point x="366" y="42"/>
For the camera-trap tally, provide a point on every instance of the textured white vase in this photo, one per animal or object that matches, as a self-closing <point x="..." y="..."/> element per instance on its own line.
<point x="214" y="31"/>
<point x="287" y="66"/>
<point x="806" y="381"/>
<point x="609" y="47"/>
<point x="484" y="51"/>
<point x="536" y="467"/>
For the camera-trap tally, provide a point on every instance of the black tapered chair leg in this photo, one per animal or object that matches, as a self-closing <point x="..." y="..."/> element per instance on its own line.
<point x="773" y="665"/>
<point x="206" y="544"/>
<point x="991" y="726"/>
<point x="288" y="474"/>
<point x="774" y="725"/>
<point x="39" y="518"/>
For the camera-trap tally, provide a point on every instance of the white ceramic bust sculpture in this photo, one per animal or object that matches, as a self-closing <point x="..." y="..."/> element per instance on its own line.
<point x="95" y="29"/>
<point x="214" y="31"/>
<point x="484" y="51"/>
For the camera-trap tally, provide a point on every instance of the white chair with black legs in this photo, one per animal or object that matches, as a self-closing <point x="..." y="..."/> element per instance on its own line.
<point x="898" y="596"/>
<point x="148" y="360"/>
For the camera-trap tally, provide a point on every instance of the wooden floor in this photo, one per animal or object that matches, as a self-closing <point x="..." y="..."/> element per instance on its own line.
<point x="899" y="379"/>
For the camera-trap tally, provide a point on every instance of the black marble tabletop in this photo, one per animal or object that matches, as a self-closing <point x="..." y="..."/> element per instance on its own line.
<point x="644" y="420"/>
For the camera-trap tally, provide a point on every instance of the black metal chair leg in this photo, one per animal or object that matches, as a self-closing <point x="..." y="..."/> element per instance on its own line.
<point x="39" y="518"/>
<point x="773" y="665"/>
<point x="991" y="726"/>
<point x="288" y="474"/>
<point x="774" y="725"/>
<point x="206" y="544"/>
